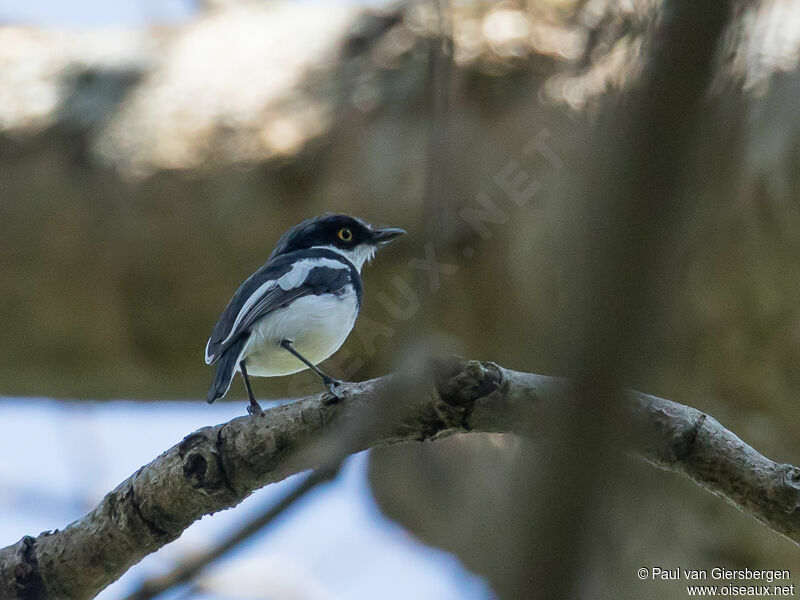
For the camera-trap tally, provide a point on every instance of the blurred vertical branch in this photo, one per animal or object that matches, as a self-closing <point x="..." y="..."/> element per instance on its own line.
<point x="628" y="216"/>
<point x="438" y="208"/>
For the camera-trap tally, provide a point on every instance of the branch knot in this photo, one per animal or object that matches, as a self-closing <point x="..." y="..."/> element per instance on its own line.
<point x="28" y="579"/>
<point x="461" y="383"/>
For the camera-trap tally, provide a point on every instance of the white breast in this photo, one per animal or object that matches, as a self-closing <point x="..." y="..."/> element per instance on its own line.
<point x="317" y="325"/>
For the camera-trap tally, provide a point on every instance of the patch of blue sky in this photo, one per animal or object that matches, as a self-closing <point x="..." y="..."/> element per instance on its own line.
<point x="94" y="13"/>
<point x="119" y="13"/>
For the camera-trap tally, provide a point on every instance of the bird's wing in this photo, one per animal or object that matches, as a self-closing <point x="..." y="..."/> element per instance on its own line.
<point x="275" y="285"/>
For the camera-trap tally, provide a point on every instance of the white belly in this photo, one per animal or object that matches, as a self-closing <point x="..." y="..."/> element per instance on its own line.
<point x="317" y="326"/>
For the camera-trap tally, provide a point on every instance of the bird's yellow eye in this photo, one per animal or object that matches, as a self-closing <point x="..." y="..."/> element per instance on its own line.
<point x="345" y="234"/>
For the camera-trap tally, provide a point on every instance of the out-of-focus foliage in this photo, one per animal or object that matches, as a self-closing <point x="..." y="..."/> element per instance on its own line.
<point x="146" y="173"/>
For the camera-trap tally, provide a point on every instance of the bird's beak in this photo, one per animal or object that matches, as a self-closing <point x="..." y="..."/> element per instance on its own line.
<point x="387" y="234"/>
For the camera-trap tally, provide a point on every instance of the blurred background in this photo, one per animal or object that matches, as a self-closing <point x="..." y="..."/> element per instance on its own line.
<point x="151" y="153"/>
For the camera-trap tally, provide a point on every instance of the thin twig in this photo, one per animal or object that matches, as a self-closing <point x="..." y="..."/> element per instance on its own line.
<point x="189" y="569"/>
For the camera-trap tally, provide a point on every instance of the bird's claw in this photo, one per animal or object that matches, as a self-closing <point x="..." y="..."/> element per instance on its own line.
<point x="335" y="395"/>
<point x="254" y="409"/>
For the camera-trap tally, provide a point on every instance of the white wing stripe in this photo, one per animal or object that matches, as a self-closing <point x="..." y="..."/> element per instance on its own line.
<point x="299" y="271"/>
<point x="254" y="297"/>
<point x="293" y="278"/>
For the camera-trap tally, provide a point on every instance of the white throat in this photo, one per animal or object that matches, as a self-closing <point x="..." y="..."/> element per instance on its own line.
<point x="358" y="255"/>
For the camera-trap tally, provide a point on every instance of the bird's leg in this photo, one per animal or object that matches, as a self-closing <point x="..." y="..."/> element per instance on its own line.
<point x="330" y="383"/>
<point x="253" y="409"/>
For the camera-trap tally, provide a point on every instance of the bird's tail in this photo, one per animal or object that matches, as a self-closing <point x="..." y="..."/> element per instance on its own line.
<point x="226" y="368"/>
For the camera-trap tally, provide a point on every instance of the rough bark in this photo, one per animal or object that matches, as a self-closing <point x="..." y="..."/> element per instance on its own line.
<point x="216" y="467"/>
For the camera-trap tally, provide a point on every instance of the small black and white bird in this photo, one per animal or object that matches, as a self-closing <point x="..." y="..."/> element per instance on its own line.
<point x="299" y="307"/>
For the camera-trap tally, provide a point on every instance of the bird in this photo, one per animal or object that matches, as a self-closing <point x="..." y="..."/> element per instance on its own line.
<point x="298" y="308"/>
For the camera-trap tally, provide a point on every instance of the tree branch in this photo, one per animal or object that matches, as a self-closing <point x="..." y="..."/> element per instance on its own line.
<point x="216" y="467"/>
<point x="193" y="566"/>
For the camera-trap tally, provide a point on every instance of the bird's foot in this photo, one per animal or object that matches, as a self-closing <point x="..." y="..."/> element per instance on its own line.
<point x="334" y="393"/>
<point x="254" y="409"/>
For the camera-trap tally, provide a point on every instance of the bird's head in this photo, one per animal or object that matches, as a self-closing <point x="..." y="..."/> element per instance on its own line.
<point x="349" y="236"/>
